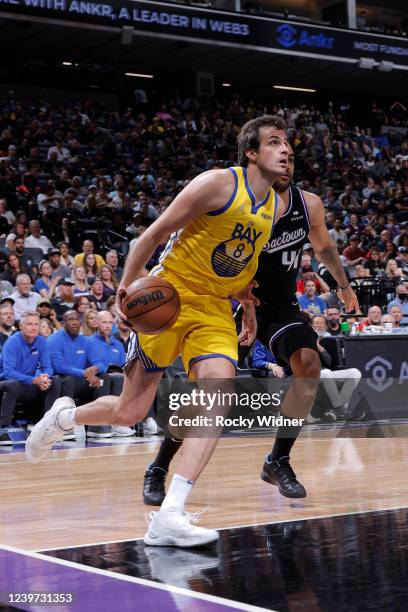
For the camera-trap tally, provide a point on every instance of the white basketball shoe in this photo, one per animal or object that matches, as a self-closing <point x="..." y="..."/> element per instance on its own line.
<point x="47" y="431"/>
<point x="172" y="527"/>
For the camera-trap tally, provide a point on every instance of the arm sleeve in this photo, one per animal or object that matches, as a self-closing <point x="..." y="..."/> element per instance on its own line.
<point x="45" y="360"/>
<point x="301" y="303"/>
<point x="10" y="364"/>
<point x="39" y="284"/>
<point x="261" y="357"/>
<point x="94" y="356"/>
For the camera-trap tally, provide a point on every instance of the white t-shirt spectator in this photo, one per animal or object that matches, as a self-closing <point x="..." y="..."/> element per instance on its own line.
<point x="63" y="153"/>
<point x="24" y="303"/>
<point x="42" y="197"/>
<point x="42" y="242"/>
<point x="338" y="235"/>
<point x="68" y="262"/>
<point x="10" y="238"/>
<point x="6" y="288"/>
<point x="9" y="216"/>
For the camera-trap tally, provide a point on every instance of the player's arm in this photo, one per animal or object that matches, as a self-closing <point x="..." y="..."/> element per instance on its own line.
<point x="207" y="192"/>
<point x="327" y="252"/>
<point x="321" y="241"/>
<point x="324" y="287"/>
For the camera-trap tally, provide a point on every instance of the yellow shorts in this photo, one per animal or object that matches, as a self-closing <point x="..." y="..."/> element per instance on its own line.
<point x="205" y="328"/>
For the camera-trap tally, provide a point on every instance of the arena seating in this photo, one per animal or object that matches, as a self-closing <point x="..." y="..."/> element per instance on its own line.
<point x="88" y="173"/>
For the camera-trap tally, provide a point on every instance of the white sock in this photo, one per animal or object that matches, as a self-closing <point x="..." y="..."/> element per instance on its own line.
<point x="178" y="492"/>
<point x="66" y="419"/>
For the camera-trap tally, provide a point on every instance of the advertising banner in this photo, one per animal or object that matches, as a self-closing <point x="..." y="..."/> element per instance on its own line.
<point x="218" y="27"/>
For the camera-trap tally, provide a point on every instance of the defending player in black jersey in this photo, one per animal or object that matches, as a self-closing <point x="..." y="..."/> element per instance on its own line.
<point x="283" y="327"/>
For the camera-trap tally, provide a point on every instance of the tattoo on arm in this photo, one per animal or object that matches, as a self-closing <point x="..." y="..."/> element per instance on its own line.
<point x="330" y="257"/>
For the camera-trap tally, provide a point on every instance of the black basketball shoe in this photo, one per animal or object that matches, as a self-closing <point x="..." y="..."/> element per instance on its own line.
<point x="280" y="473"/>
<point x="153" y="487"/>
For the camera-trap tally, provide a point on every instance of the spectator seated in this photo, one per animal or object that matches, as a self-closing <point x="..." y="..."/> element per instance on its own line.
<point x="27" y="369"/>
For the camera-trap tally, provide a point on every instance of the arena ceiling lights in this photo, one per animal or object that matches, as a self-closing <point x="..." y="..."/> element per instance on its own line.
<point x="302" y="89"/>
<point x="139" y="75"/>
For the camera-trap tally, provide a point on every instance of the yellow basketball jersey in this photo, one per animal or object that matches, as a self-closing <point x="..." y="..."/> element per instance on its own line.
<point x="217" y="254"/>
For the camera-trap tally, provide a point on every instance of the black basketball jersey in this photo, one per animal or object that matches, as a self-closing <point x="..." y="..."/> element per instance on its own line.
<point x="279" y="261"/>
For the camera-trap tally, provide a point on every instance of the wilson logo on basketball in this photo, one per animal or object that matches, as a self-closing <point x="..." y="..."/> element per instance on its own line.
<point x="155" y="296"/>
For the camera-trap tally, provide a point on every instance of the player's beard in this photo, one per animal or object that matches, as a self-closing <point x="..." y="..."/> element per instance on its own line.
<point x="280" y="186"/>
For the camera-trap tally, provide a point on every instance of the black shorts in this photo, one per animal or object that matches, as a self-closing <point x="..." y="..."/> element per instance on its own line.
<point x="284" y="329"/>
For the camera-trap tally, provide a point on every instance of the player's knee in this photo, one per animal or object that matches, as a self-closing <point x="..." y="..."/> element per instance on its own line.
<point x="308" y="367"/>
<point x="217" y="368"/>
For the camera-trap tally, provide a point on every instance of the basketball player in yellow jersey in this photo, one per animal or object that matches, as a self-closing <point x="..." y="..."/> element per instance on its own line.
<point x="219" y="256"/>
<point x="227" y="216"/>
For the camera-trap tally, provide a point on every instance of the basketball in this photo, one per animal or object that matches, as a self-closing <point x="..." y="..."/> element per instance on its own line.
<point x="151" y="305"/>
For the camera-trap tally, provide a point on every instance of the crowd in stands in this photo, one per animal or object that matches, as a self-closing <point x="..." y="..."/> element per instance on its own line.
<point x="375" y="23"/>
<point x="79" y="182"/>
<point x="387" y="283"/>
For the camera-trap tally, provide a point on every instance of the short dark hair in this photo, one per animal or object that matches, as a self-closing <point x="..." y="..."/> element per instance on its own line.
<point x="249" y="137"/>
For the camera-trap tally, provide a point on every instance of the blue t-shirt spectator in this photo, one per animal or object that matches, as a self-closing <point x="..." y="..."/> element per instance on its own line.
<point x="40" y="284"/>
<point x="315" y="305"/>
<point x="102" y="352"/>
<point x="23" y="361"/>
<point x="69" y="354"/>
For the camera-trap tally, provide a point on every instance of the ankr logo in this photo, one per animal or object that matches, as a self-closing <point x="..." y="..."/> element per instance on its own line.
<point x="378" y="369"/>
<point x="286" y="35"/>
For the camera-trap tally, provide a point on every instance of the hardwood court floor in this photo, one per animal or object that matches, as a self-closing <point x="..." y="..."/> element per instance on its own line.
<point x="92" y="495"/>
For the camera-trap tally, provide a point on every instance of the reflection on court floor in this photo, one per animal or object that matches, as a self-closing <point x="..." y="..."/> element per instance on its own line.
<point x="343" y="547"/>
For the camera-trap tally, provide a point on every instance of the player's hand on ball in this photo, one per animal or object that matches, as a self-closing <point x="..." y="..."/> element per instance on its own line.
<point x="120" y="294"/>
<point x="150" y="305"/>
